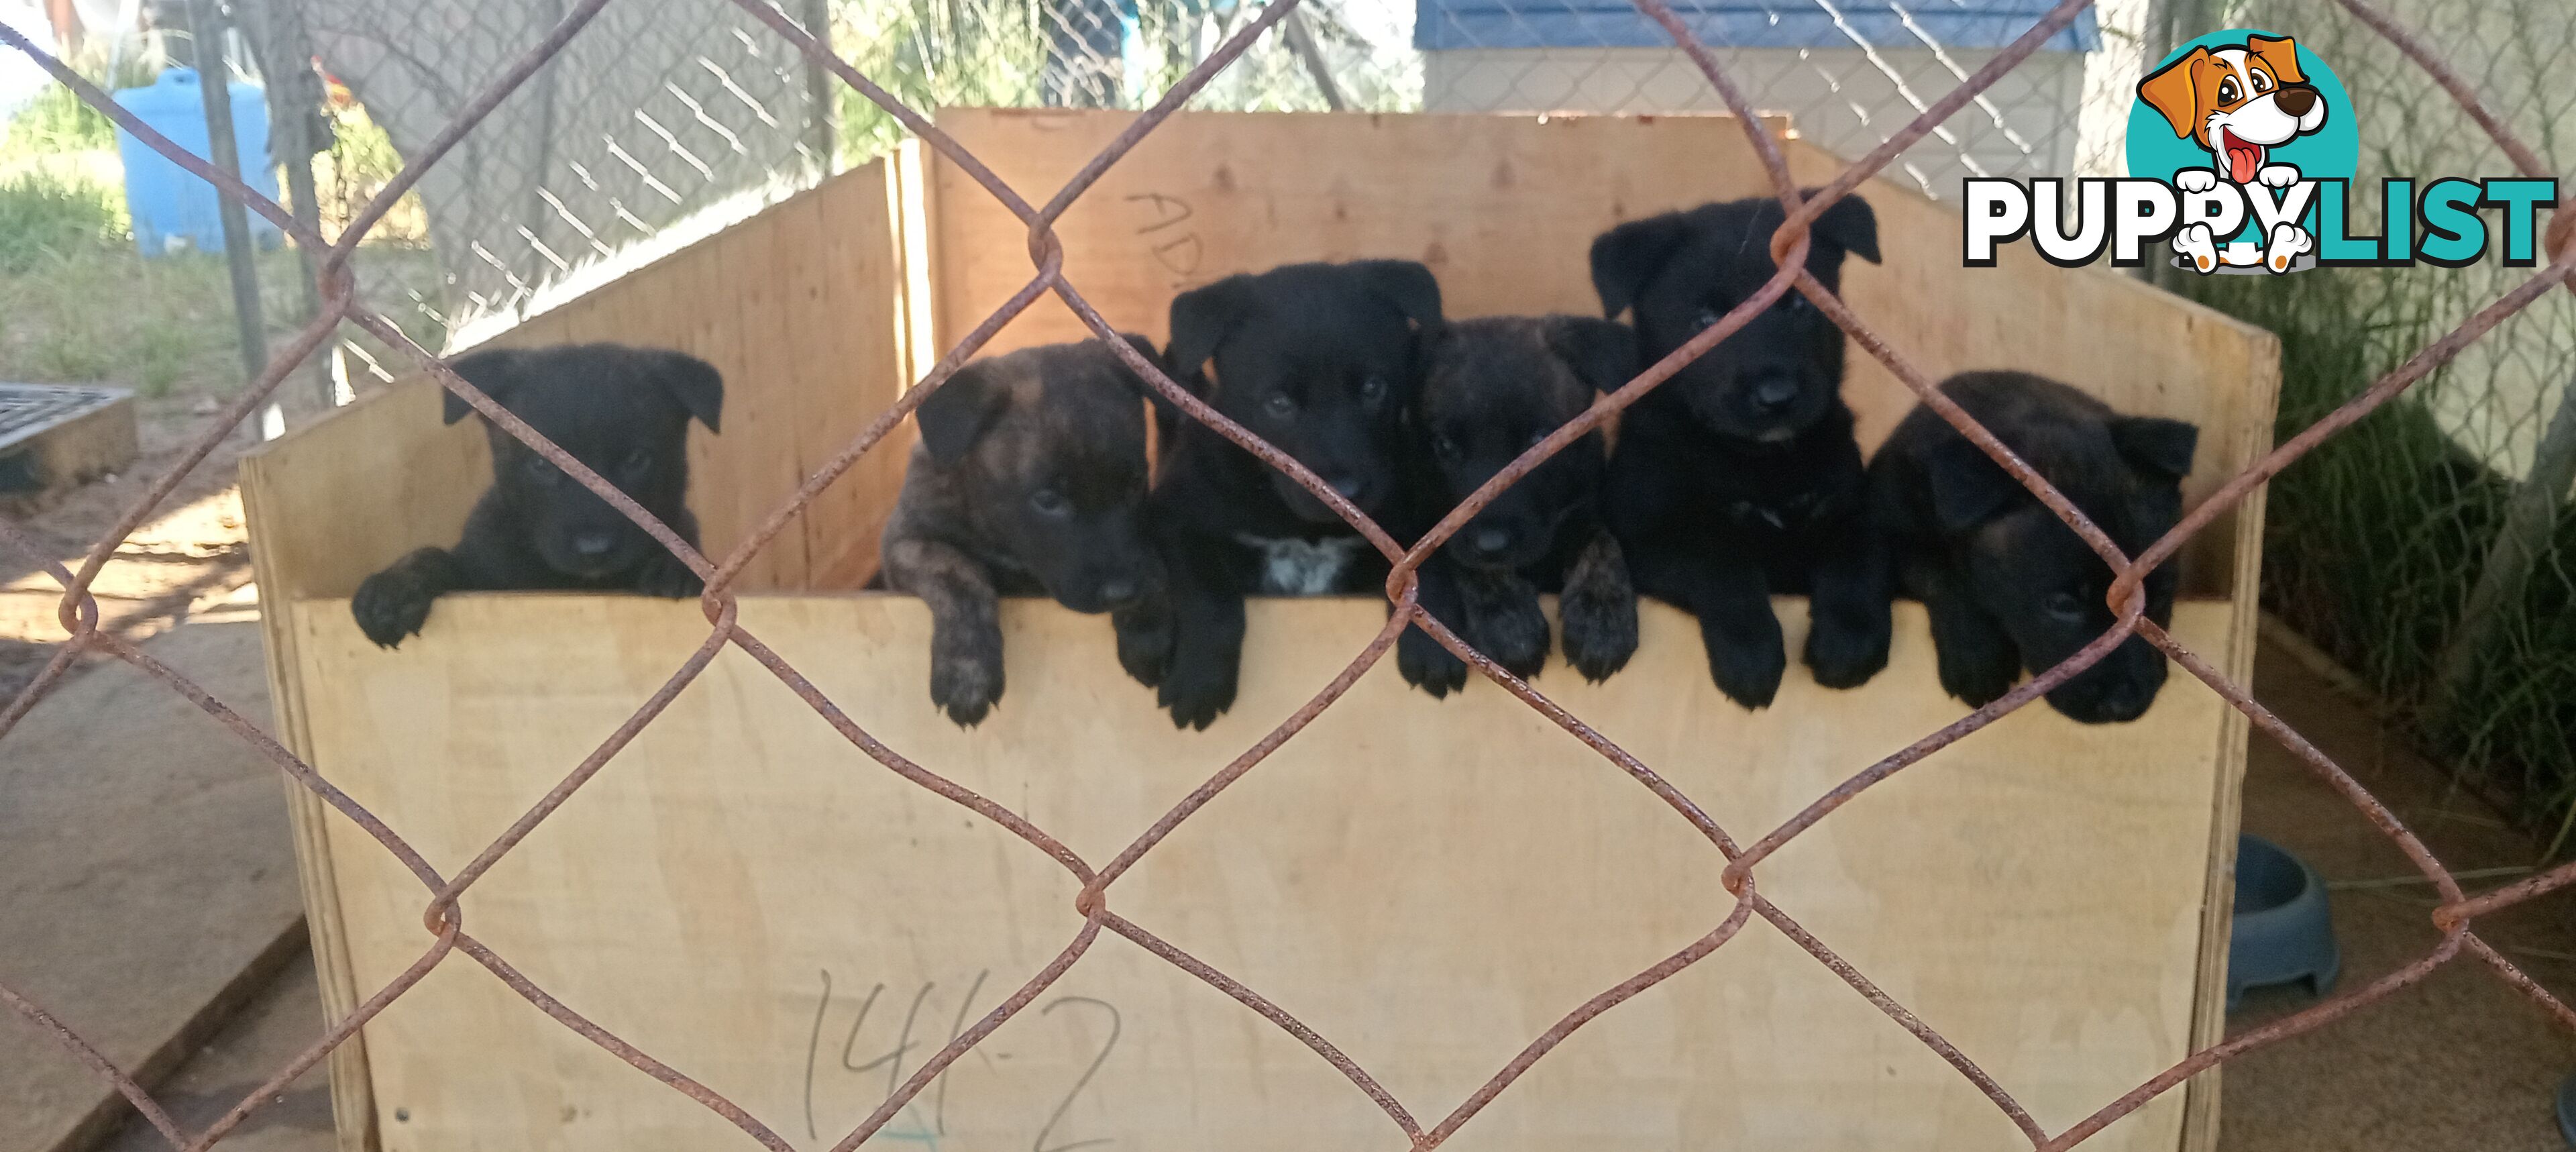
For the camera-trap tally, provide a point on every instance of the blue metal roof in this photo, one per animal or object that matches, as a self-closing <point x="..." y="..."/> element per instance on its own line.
<point x="1444" y="24"/>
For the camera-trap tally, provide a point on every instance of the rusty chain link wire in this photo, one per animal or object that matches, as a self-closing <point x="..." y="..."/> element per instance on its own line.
<point x="443" y="917"/>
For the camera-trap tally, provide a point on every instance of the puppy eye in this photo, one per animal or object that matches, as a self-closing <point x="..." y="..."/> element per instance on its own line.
<point x="1050" y="502"/>
<point x="638" y="460"/>
<point x="2262" y="83"/>
<point x="2065" y="606"/>
<point x="541" y="468"/>
<point x="1706" y="319"/>
<point x="1797" y="304"/>
<point x="1444" y="447"/>
<point x="1536" y="439"/>
<point x="1280" y="404"/>
<point x="2227" y="91"/>
<point x="1373" y="389"/>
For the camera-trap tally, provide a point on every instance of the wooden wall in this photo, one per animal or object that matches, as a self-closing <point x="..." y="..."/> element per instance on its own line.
<point x="1430" y="885"/>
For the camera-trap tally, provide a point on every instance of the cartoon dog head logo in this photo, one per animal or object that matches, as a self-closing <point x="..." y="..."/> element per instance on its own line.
<point x="2238" y="103"/>
<point x="2244" y="112"/>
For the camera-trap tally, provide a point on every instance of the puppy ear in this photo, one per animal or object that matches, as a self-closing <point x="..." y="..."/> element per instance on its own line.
<point x="1967" y="485"/>
<point x="1603" y="353"/>
<point x="2281" y="56"/>
<point x="1851" y="224"/>
<point x="2174" y="91"/>
<point x="1407" y="284"/>
<point x="1200" y="319"/>
<point x="1626" y="257"/>
<point x="494" y="370"/>
<point x="953" y="417"/>
<point x="2156" y="445"/>
<point x="693" y="382"/>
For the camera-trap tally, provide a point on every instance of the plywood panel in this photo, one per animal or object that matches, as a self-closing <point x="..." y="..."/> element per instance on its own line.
<point x="1428" y="884"/>
<point x="1502" y="208"/>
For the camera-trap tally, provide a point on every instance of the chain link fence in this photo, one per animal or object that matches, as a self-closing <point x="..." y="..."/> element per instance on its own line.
<point x="546" y="55"/>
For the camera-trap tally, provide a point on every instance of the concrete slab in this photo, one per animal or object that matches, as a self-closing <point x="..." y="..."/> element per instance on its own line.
<point x="147" y="883"/>
<point x="271" y="1029"/>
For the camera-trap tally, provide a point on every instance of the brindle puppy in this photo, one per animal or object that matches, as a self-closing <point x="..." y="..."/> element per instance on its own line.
<point x="1493" y="388"/>
<point x="1030" y="479"/>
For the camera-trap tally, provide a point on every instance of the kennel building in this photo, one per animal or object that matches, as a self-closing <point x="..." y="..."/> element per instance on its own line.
<point x="1430" y="885"/>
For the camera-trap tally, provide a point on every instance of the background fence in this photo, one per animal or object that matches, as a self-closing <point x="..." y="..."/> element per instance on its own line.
<point x="587" y="112"/>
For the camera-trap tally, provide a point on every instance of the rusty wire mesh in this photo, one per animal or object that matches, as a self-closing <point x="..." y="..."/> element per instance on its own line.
<point x="443" y="918"/>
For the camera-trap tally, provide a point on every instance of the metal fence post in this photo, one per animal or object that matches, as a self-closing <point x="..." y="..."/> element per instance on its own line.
<point x="296" y="133"/>
<point x="206" y="30"/>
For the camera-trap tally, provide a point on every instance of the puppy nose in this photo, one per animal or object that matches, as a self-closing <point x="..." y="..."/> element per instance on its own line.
<point x="1774" y="394"/>
<point x="593" y="543"/>
<point x="2296" y="101"/>
<point x="1492" y="540"/>
<point x="1119" y="592"/>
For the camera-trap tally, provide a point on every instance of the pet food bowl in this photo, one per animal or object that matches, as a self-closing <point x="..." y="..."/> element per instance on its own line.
<point x="2567" y="1110"/>
<point x="2282" y="933"/>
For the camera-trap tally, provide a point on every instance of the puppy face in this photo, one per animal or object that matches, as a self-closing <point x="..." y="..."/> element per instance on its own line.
<point x="1682" y="271"/>
<point x="2031" y="572"/>
<point x="2239" y="103"/>
<point x="1045" y="448"/>
<point x="622" y="411"/>
<point x="1319" y="359"/>
<point x="1494" y="387"/>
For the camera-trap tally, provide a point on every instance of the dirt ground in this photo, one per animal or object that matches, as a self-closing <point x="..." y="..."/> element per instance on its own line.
<point x="189" y="553"/>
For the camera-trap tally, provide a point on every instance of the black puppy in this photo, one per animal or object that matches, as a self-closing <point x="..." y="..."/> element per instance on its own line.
<point x="1491" y="389"/>
<point x="1320" y="360"/>
<point x="622" y="411"/>
<point x="1029" y="479"/>
<point x="1739" y="477"/>
<point x="2008" y="585"/>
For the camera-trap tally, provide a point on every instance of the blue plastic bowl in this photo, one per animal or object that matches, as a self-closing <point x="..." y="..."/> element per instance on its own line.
<point x="2282" y="933"/>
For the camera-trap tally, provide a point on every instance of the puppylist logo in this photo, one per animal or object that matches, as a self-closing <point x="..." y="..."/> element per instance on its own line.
<point x="2242" y="147"/>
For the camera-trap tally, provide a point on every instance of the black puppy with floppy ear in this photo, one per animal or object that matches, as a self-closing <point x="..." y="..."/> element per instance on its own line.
<point x="623" y="412"/>
<point x="1030" y="479"/>
<point x="1491" y="390"/>
<point x="1739" y="478"/>
<point x="1320" y="360"/>
<point x="2007" y="584"/>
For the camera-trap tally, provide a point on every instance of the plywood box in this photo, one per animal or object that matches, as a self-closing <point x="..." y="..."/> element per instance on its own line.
<point x="748" y="897"/>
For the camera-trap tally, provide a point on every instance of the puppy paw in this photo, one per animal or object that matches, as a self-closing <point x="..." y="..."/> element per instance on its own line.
<point x="662" y="574"/>
<point x="966" y="676"/>
<point x="2195" y="179"/>
<point x="1198" y="689"/>
<point x="1598" y="613"/>
<point x="1748" y="671"/>
<point x="1842" y="655"/>
<point x="1977" y="680"/>
<point x="1511" y="631"/>
<point x="1144" y="645"/>
<point x="1426" y="665"/>
<point x="392" y="604"/>
<point x="2277" y="175"/>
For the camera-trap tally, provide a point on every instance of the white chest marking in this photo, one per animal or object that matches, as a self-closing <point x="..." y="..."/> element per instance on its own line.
<point x="1293" y="567"/>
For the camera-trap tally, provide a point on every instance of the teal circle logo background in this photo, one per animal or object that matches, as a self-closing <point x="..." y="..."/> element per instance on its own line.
<point x="2332" y="152"/>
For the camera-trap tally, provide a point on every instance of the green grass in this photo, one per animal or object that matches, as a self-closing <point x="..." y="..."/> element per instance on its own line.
<point x="47" y="215"/>
<point x="54" y="123"/>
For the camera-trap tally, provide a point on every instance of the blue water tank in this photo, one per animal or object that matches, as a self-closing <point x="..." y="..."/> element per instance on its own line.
<point x="172" y="208"/>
